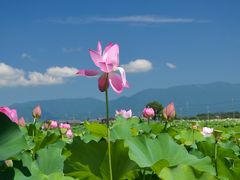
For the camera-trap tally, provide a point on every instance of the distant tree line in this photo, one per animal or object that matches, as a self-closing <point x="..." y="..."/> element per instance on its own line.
<point x="217" y="115"/>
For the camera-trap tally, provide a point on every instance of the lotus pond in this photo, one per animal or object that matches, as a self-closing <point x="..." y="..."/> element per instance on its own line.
<point x="138" y="150"/>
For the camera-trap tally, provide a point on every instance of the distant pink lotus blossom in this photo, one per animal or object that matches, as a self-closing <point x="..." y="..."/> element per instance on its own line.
<point x="21" y="122"/>
<point x="37" y="112"/>
<point x="148" y="113"/>
<point x="108" y="63"/>
<point x="53" y="124"/>
<point x="65" y="126"/>
<point x="11" y="113"/>
<point x="206" y="131"/>
<point x="124" y="113"/>
<point x="169" y="111"/>
<point x="69" y="133"/>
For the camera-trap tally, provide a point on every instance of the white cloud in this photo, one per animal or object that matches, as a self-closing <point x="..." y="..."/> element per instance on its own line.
<point x="171" y="65"/>
<point x="127" y="19"/>
<point x="139" y="65"/>
<point x="11" y="76"/>
<point x="25" y="56"/>
<point x="145" y="19"/>
<point x="71" y="50"/>
<point x="37" y="78"/>
<point x="62" y="71"/>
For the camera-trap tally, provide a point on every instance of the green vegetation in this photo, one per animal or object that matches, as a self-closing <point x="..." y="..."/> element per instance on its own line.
<point x="138" y="150"/>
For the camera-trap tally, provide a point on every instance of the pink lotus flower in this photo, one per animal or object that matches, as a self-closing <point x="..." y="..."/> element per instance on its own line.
<point x="69" y="133"/>
<point x="37" y="112"/>
<point x="65" y="126"/>
<point x="53" y="124"/>
<point x="169" y="111"/>
<point x="124" y="113"/>
<point x="206" y="131"/>
<point x="21" y="122"/>
<point x="11" y="113"/>
<point x="108" y="62"/>
<point x="148" y="113"/>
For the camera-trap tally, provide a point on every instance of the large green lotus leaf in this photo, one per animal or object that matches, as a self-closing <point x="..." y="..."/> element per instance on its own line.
<point x="45" y="139"/>
<point x="225" y="170"/>
<point x="121" y="129"/>
<point x="231" y="145"/>
<point x="96" y="129"/>
<point x="189" y="136"/>
<point x="40" y="176"/>
<point x="147" y="152"/>
<point x="88" y="137"/>
<point x="201" y="164"/>
<point x="227" y="161"/>
<point x="144" y="151"/>
<point x="236" y="169"/>
<point x="121" y="164"/>
<point x="90" y="160"/>
<point x="224" y="151"/>
<point x="50" y="160"/>
<point x="156" y="127"/>
<point x="12" y="139"/>
<point x="144" y="127"/>
<point x="49" y="163"/>
<point x="184" y="172"/>
<point x="158" y="166"/>
<point x="86" y="159"/>
<point x="207" y="149"/>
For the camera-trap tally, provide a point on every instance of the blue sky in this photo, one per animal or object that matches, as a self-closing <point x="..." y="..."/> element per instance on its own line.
<point x="165" y="43"/>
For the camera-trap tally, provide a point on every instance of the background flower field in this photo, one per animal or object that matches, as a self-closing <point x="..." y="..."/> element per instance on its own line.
<point x="139" y="150"/>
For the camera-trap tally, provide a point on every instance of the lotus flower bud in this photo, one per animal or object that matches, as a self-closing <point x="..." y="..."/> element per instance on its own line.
<point x="206" y="131"/>
<point x="53" y="124"/>
<point x="9" y="163"/>
<point x="148" y="113"/>
<point x="169" y="111"/>
<point x="194" y="126"/>
<point x="37" y="112"/>
<point x="217" y="134"/>
<point x="124" y="113"/>
<point x="65" y="126"/>
<point x="69" y="133"/>
<point x="21" y="122"/>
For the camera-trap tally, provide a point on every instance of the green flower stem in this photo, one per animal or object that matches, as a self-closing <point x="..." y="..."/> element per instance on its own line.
<point x="107" y="108"/>
<point x="108" y="130"/>
<point x="193" y="136"/>
<point x="148" y="121"/>
<point x="109" y="155"/>
<point x="165" y="126"/>
<point x="34" y="127"/>
<point x="144" y="174"/>
<point x="215" y="157"/>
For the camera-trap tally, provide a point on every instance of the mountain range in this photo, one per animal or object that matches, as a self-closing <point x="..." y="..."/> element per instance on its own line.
<point x="188" y="99"/>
